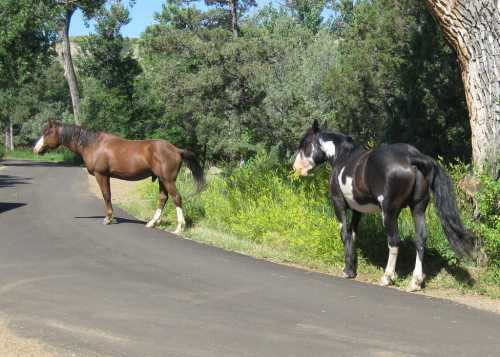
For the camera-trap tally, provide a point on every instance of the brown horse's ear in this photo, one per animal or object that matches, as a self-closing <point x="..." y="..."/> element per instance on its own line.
<point x="315" y="126"/>
<point x="51" y="123"/>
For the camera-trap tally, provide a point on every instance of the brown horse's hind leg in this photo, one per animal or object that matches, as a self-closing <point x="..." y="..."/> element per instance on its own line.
<point x="163" y="200"/>
<point x="103" y="182"/>
<point x="172" y="190"/>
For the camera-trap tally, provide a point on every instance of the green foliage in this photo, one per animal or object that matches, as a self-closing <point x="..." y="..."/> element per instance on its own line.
<point x="396" y="79"/>
<point x="109" y="70"/>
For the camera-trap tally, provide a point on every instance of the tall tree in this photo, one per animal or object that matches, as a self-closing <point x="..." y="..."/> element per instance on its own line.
<point x="308" y="12"/>
<point x="235" y="8"/>
<point x="66" y="10"/>
<point x="25" y="45"/>
<point x="473" y="29"/>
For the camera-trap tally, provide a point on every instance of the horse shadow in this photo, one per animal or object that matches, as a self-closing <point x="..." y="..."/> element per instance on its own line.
<point x="118" y="219"/>
<point x="372" y="244"/>
<point x="11" y="181"/>
<point x="7" y="206"/>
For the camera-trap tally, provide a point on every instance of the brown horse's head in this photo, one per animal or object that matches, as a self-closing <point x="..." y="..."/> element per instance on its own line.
<point x="50" y="138"/>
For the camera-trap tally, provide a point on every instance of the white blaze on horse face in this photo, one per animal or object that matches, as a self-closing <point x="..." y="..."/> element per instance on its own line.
<point x="347" y="191"/>
<point x="303" y="164"/>
<point x="328" y="148"/>
<point x="155" y="219"/>
<point x="38" y="146"/>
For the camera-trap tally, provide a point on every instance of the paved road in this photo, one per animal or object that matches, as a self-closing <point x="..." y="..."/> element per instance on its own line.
<point x="124" y="290"/>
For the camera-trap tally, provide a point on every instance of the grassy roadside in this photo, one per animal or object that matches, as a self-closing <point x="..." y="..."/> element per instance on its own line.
<point x="261" y="212"/>
<point x="61" y="155"/>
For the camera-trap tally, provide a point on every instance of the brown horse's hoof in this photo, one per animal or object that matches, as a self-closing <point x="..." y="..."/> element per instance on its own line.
<point x="108" y="220"/>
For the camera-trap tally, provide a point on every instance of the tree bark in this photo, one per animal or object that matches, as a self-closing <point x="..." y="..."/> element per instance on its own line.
<point x="9" y="137"/>
<point x="473" y="29"/>
<point x="69" y="69"/>
<point x="234" y="17"/>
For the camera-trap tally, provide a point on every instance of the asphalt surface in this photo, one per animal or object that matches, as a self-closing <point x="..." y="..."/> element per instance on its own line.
<point x="86" y="289"/>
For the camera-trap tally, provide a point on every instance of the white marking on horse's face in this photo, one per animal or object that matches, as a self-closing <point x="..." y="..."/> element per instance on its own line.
<point x="328" y="148"/>
<point x="303" y="164"/>
<point x="347" y="191"/>
<point x="39" y="145"/>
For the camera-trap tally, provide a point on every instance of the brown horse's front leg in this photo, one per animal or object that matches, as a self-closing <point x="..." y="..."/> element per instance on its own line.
<point x="103" y="182"/>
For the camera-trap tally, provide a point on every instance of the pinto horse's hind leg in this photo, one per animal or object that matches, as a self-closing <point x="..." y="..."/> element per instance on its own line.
<point x="104" y="185"/>
<point x="176" y="197"/>
<point x="161" y="204"/>
<point x="391" y="226"/>
<point x="418" y="212"/>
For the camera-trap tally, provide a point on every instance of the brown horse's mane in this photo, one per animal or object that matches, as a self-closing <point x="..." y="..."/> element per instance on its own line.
<point x="78" y="135"/>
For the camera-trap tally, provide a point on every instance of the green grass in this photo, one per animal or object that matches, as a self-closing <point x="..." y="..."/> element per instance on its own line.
<point x="61" y="155"/>
<point x="260" y="210"/>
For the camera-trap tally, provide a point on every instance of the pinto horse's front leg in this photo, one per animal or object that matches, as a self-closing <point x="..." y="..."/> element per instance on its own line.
<point x="104" y="185"/>
<point x="348" y="235"/>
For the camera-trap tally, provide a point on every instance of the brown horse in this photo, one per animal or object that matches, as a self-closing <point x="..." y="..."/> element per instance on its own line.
<point x="106" y="155"/>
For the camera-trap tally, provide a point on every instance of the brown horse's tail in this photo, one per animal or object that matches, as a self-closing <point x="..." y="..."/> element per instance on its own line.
<point x="190" y="159"/>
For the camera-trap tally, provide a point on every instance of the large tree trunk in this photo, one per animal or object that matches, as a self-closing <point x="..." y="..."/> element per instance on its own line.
<point x="473" y="29"/>
<point x="69" y="70"/>
<point x="9" y="136"/>
<point x="234" y="17"/>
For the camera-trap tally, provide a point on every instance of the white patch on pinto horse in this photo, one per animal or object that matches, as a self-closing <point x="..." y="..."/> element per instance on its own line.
<point x="155" y="219"/>
<point x="418" y="276"/>
<point x="38" y="146"/>
<point x="328" y="148"/>
<point x="347" y="191"/>
<point x="390" y="269"/>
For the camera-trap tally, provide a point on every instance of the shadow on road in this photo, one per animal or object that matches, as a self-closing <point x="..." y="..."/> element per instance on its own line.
<point x="9" y="180"/>
<point x="7" y="206"/>
<point x="118" y="219"/>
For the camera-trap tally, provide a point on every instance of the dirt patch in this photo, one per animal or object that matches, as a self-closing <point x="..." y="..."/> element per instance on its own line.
<point x="15" y="346"/>
<point x="126" y="192"/>
<point x="122" y="192"/>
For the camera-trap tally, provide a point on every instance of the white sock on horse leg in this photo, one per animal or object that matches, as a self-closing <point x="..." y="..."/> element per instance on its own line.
<point x="155" y="219"/>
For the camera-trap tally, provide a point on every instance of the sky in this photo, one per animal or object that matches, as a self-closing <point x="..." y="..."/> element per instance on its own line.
<point x="141" y="14"/>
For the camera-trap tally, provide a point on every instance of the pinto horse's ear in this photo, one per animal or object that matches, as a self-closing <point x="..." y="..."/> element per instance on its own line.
<point x="325" y="124"/>
<point x="315" y="126"/>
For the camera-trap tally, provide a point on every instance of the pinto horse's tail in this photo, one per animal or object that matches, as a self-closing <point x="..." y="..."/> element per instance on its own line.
<point x="190" y="159"/>
<point x="461" y="240"/>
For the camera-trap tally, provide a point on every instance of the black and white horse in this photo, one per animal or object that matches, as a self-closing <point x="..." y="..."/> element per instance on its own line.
<point x="388" y="179"/>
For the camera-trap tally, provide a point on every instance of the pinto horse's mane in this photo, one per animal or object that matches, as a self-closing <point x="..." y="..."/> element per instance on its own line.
<point x="76" y="134"/>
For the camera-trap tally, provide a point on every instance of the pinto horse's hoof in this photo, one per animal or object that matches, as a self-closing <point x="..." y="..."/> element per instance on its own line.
<point x="386" y="280"/>
<point x="108" y="220"/>
<point x="414" y="286"/>
<point x="348" y="274"/>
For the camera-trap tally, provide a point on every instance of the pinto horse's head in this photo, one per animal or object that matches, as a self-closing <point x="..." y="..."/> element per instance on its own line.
<point x="50" y="138"/>
<point x="310" y="153"/>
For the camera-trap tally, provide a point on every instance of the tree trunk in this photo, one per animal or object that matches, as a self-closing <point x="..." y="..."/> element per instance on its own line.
<point x="69" y="69"/>
<point x="9" y="137"/>
<point x="473" y="29"/>
<point x="234" y="17"/>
